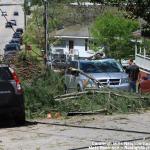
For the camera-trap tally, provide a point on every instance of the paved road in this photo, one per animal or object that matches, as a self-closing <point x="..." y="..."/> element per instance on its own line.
<point x="6" y="33"/>
<point x="73" y="133"/>
<point x="11" y="2"/>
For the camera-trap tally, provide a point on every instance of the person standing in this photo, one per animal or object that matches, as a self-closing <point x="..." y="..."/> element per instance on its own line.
<point x="133" y="72"/>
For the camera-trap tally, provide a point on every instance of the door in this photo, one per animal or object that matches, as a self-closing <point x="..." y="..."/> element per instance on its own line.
<point x="71" y="46"/>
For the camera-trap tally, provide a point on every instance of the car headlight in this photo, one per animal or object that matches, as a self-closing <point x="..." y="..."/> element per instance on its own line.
<point x="124" y="80"/>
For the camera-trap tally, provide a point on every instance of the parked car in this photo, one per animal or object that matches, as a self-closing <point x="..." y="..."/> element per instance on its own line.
<point x="18" y="38"/>
<point x="17" y="35"/>
<point x="108" y="72"/>
<point x="4" y="13"/>
<point x="16" y="13"/>
<point x="8" y="25"/>
<point x="15" y="40"/>
<point x="13" y="22"/>
<point x="19" y="30"/>
<point x="11" y="95"/>
<point x="11" y="49"/>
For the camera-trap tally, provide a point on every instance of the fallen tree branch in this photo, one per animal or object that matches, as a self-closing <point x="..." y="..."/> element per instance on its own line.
<point x="79" y="94"/>
<point x="88" y="112"/>
<point x="73" y="94"/>
<point x="97" y="82"/>
<point x="67" y="98"/>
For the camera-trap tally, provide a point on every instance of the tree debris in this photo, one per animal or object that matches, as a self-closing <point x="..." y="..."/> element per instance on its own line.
<point x="101" y="111"/>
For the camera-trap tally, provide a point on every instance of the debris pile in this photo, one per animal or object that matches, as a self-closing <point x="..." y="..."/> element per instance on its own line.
<point x="101" y="101"/>
<point x="26" y="65"/>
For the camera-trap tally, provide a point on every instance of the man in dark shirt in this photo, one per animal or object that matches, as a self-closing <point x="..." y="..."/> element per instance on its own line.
<point x="133" y="71"/>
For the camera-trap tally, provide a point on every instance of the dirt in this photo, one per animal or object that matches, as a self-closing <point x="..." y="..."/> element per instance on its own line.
<point x="79" y="132"/>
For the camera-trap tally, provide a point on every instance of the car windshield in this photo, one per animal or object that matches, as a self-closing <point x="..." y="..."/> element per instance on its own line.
<point x="101" y="66"/>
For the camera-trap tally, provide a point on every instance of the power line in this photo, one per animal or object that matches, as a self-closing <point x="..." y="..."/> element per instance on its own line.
<point x="7" y="20"/>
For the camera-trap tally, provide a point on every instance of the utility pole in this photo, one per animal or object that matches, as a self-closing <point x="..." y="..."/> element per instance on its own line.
<point x="27" y="4"/>
<point x="25" y="14"/>
<point x="46" y="30"/>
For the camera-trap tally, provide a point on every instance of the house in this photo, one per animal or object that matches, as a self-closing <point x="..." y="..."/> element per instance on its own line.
<point x="142" y="59"/>
<point x="72" y="40"/>
<point x="142" y="54"/>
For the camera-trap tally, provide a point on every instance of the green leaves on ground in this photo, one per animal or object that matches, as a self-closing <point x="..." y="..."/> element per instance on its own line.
<point x="39" y="94"/>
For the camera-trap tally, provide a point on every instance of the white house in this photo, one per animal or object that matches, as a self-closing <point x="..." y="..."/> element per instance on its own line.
<point x="142" y="59"/>
<point x="142" y="55"/>
<point x="72" y="40"/>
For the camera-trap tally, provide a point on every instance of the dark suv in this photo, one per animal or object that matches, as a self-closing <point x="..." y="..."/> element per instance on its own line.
<point x="11" y="95"/>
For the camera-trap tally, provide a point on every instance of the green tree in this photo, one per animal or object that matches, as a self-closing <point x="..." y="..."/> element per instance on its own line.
<point x="115" y="32"/>
<point x="139" y="8"/>
<point x="134" y="9"/>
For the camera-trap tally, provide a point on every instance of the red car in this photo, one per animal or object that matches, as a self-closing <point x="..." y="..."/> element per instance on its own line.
<point x="144" y="83"/>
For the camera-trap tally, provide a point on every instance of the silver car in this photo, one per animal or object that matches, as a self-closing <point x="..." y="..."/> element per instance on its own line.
<point x="108" y="72"/>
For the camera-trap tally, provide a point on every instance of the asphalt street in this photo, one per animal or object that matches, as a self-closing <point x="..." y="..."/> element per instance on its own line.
<point x="6" y="33"/>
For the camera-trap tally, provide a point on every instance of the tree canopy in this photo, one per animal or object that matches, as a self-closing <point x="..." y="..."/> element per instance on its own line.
<point x="135" y="9"/>
<point x="114" y="32"/>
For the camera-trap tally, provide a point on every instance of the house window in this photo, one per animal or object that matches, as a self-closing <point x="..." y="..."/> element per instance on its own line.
<point x="86" y="44"/>
<point x="60" y="43"/>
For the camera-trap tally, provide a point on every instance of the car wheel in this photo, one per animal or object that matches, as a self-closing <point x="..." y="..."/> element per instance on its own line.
<point x="79" y="88"/>
<point x="65" y="89"/>
<point x="20" y="118"/>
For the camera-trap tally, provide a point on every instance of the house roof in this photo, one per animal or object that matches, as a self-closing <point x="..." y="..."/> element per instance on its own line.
<point x="77" y="31"/>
